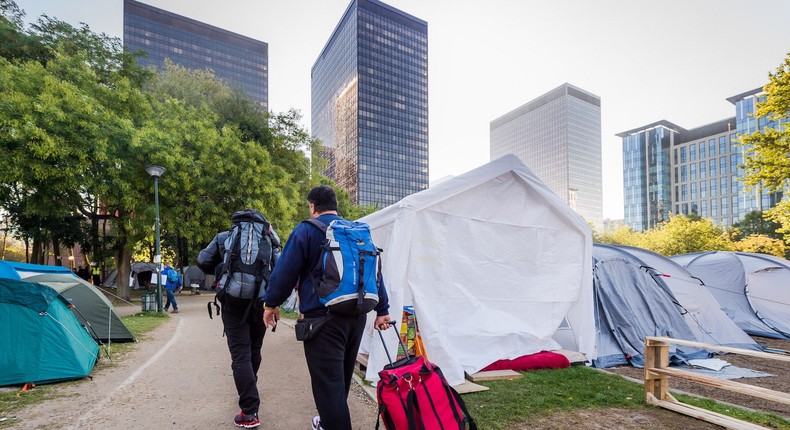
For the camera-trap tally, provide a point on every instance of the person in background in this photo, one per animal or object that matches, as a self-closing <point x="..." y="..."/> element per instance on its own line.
<point x="172" y="283"/>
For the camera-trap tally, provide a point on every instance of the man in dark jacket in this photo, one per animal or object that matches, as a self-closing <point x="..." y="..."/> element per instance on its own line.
<point x="242" y="317"/>
<point x="332" y="353"/>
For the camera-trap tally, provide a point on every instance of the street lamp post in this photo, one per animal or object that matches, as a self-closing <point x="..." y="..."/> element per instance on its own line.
<point x="156" y="172"/>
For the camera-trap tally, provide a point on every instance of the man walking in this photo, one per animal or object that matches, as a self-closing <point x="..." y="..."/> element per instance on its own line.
<point x="172" y="283"/>
<point x="331" y="354"/>
<point x="242" y="259"/>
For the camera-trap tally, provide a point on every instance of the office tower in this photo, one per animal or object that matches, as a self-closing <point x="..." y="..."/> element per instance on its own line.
<point x="240" y="61"/>
<point x="647" y="196"/>
<point x="558" y="136"/>
<point x="667" y="168"/>
<point x="370" y="103"/>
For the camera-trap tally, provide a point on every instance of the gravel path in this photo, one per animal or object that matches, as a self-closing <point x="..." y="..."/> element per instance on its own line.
<point x="179" y="376"/>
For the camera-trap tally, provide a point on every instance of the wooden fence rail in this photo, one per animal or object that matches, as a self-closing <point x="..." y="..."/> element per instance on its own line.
<point x="657" y="374"/>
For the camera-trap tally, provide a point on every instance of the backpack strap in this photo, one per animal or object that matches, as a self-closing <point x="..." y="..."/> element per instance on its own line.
<point x="322" y="227"/>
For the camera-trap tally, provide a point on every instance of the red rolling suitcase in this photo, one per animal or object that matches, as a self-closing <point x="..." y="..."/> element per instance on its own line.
<point x="414" y="395"/>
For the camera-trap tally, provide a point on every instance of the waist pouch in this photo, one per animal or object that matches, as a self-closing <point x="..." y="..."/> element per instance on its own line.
<point x="307" y="328"/>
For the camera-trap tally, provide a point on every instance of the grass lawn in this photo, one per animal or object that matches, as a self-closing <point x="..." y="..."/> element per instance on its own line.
<point x="13" y="399"/>
<point x="543" y="392"/>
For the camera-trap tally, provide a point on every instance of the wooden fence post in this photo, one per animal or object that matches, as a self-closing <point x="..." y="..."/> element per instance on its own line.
<point x="656" y="356"/>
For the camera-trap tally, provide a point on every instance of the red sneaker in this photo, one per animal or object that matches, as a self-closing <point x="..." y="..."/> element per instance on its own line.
<point x="246" y="421"/>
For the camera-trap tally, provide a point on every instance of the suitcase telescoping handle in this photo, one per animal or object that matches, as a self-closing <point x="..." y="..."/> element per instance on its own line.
<point x="384" y="344"/>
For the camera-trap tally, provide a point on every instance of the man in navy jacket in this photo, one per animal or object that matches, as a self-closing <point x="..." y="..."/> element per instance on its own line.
<point x="332" y="353"/>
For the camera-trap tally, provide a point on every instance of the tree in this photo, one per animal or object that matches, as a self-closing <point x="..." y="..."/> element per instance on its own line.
<point x="622" y="235"/>
<point x="761" y="243"/>
<point x="755" y="223"/>
<point x="767" y="151"/>
<point x="681" y="235"/>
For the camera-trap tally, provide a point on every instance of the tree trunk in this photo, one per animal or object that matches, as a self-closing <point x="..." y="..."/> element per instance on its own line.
<point x="123" y="263"/>
<point x="35" y="257"/>
<point x="56" y="251"/>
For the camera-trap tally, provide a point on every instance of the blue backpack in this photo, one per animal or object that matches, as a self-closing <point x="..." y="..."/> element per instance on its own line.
<point x="172" y="276"/>
<point x="349" y="268"/>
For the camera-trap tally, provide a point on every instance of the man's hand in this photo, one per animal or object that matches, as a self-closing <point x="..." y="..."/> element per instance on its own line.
<point x="270" y="317"/>
<point x="382" y="322"/>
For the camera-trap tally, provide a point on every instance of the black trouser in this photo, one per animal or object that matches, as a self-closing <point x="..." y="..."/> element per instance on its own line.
<point x="331" y="357"/>
<point x="245" y="339"/>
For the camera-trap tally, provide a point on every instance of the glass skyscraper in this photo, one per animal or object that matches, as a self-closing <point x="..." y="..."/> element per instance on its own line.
<point x="370" y="103"/>
<point x="646" y="174"/>
<point x="238" y="60"/>
<point x="558" y="136"/>
<point x="703" y="166"/>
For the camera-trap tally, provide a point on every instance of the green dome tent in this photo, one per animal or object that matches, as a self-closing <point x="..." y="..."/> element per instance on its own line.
<point x="91" y="307"/>
<point x="41" y="339"/>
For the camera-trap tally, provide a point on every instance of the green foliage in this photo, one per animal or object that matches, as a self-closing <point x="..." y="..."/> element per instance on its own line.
<point x="767" y="151"/>
<point x="79" y="120"/>
<point x="767" y="162"/>
<point x="681" y="235"/>
<point x="756" y="223"/>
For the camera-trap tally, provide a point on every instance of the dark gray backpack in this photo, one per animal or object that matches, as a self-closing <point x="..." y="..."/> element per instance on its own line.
<point x="248" y="258"/>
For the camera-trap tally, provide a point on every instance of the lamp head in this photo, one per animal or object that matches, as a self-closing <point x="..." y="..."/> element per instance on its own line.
<point x="154" y="170"/>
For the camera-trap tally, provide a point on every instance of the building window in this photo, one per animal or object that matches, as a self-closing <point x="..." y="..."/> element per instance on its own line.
<point x="682" y="154"/>
<point x="703" y="169"/>
<point x="712" y="148"/>
<point x="702" y="150"/>
<point x="693" y="152"/>
<point x="722" y="145"/>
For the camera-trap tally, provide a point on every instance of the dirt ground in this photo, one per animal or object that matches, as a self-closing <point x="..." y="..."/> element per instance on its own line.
<point x="180" y="377"/>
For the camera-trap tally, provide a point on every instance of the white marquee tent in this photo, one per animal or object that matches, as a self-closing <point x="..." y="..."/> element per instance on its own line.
<point x="492" y="262"/>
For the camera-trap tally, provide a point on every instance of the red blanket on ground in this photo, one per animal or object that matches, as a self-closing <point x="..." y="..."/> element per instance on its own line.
<point x="541" y="360"/>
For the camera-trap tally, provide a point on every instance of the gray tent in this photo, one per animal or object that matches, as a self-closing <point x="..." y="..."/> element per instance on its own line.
<point x="143" y="275"/>
<point x="89" y="305"/>
<point x="753" y="289"/>
<point x="193" y="275"/>
<point x="639" y="293"/>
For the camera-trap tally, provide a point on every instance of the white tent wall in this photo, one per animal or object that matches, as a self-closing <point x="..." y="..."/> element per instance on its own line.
<point x="492" y="261"/>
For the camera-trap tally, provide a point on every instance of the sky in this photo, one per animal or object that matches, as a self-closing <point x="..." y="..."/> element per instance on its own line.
<point x="647" y="60"/>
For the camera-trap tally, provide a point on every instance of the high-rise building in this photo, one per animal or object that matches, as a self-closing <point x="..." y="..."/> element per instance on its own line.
<point x="667" y="168"/>
<point x="370" y="103"/>
<point x="558" y="136"/>
<point x="647" y="193"/>
<point x="239" y="60"/>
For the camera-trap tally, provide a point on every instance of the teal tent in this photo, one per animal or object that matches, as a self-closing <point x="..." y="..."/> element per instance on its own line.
<point x="40" y="339"/>
<point x="89" y="305"/>
<point x="23" y="270"/>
